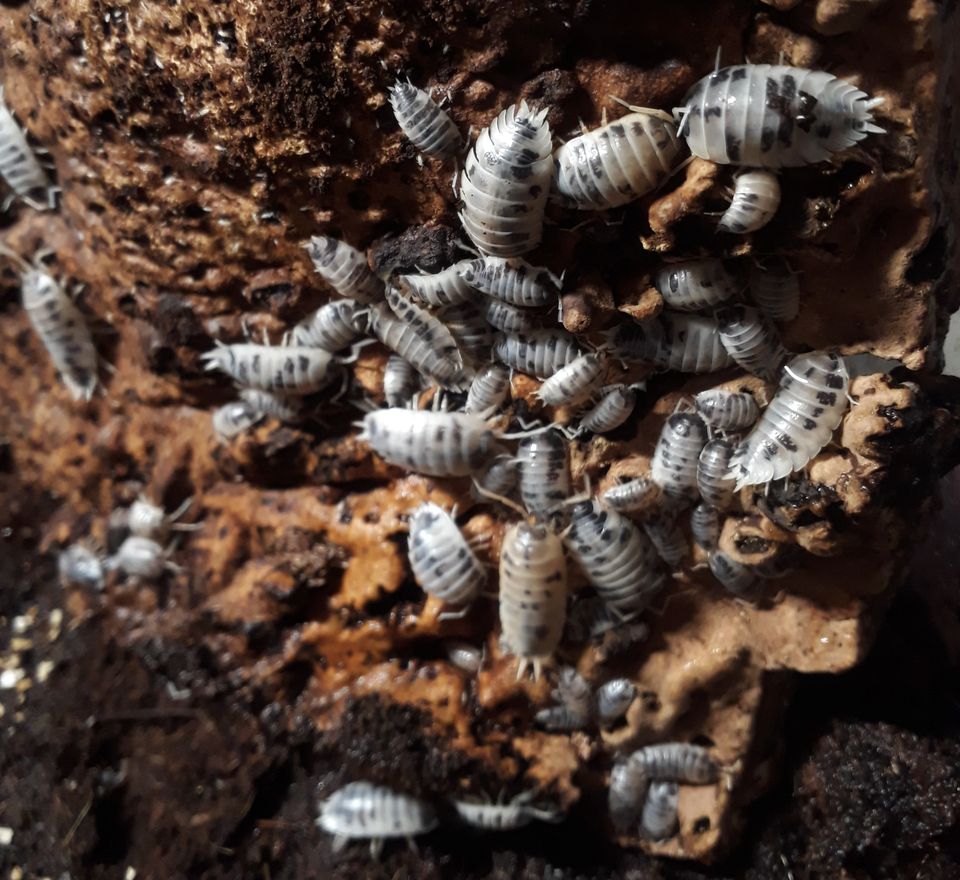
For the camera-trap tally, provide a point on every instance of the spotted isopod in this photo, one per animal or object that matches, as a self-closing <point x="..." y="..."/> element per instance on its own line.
<point x="737" y="578"/>
<point x="695" y="284"/>
<point x="626" y="793"/>
<point x="610" y="412"/>
<point x="674" y="465"/>
<point x="667" y="537"/>
<point x="631" y="495"/>
<point x="471" y="331"/>
<point x="439" y="444"/>
<point x="544" y="473"/>
<point x="18" y="163"/>
<point x="235" y="417"/>
<point x="332" y="327"/>
<point x="658" y="820"/>
<point x="575" y="707"/>
<point x="508" y="318"/>
<point x="365" y="810"/>
<point x="498" y="478"/>
<point x="489" y="389"/>
<point x="513" y="281"/>
<point x="533" y="594"/>
<point x="774" y="116"/>
<point x="443" y="288"/>
<point x="798" y="422"/>
<point x="505" y="182"/>
<point x="752" y="340"/>
<point x="618" y="560"/>
<point x="614" y="698"/>
<point x="673" y="341"/>
<point x="540" y="353"/>
<point x="428" y="126"/>
<point x="142" y="558"/>
<point x="776" y="289"/>
<point x="575" y="382"/>
<point x="504" y="817"/>
<point x="344" y="268"/>
<point x="293" y="369"/>
<point x="705" y="526"/>
<point x="282" y="407"/>
<point x="677" y="762"/>
<point x="727" y="410"/>
<point x="756" y="197"/>
<point x="81" y="565"/>
<point x="443" y="563"/>
<point x="715" y="487"/>
<point x="616" y="163"/>
<point x="401" y="381"/>
<point x="423" y="342"/>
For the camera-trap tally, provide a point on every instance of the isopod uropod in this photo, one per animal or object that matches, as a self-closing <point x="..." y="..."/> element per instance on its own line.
<point x="18" y="163"/>
<point x="756" y="197"/>
<point x="674" y="465"/>
<point x="695" y="284"/>
<point x="429" y="127"/>
<point x="344" y="268"/>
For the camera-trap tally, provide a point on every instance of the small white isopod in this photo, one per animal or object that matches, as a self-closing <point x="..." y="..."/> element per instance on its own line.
<point x="508" y="318"/>
<point x="674" y="465"/>
<point x="332" y="327"/>
<point x="658" y="819"/>
<point x="575" y="707"/>
<point x="672" y="341"/>
<point x="504" y="817"/>
<point x="752" y="340"/>
<point x="427" y="125"/>
<point x="540" y="353"/>
<point x="79" y="564"/>
<point x="292" y="369"/>
<point x="677" y="762"/>
<point x="776" y="289"/>
<point x="631" y="495"/>
<point x="610" y="412"/>
<point x="614" y="698"/>
<point x="513" y="281"/>
<point x="727" y="410"/>
<point x="282" y="407"/>
<point x="666" y="535"/>
<point x="488" y="391"/>
<point x="715" y="487"/>
<point x="151" y="521"/>
<point x="739" y="579"/>
<point x="344" y="268"/>
<point x="401" y="381"/>
<point x="705" y="526"/>
<point x="756" y="197"/>
<point x="575" y="382"/>
<point x="544" y="473"/>
<point x="19" y="166"/>
<point x="695" y="284"/>
<point x="443" y="288"/>
<point x="235" y="417"/>
<point x="142" y="559"/>
<point x="466" y="657"/>
<point x="473" y="334"/>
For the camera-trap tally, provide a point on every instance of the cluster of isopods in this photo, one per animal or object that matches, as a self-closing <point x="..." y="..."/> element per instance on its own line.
<point x="464" y="332"/>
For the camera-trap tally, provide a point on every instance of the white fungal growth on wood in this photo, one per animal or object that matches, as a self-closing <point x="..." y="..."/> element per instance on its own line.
<point x="429" y="127"/>
<point x="756" y="197"/>
<point x="344" y="268"/>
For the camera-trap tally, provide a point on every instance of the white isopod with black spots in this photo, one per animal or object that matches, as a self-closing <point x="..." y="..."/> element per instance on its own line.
<point x="508" y="318"/>
<point x="695" y="284"/>
<point x="427" y="125"/>
<point x="775" y="287"/>
<point x="332" y="327"/>
<point x="752" y="340"/>
<point x="544" y="473"/>
<point x="618" y="162"/>
<point x="293" y="369"/>
<point x="677" y="762"/>
<point x="401" y="381"/>
<point x="575" y="382"/>
<point x="633" y="494"/>
<point x="665" y="534"/>
<point x="658" y="819"/>
<point x="505" y="182"/>
<point x="540" y="353"/>
<point x="756" y="197"/>
<point x="715" y="486"/>
<point x="444" y="288"/>
<point x="443" y="563"/>
<point x="626" y="793"/>
<point x="235" y="417"/>
<point x="503" y="817"/>
<point x="533" y="594"/>
<point x="774" y="116"/>
<point x="488" y="391"/>
<point x="149" y="520"/>
<point x="672" y="341"/>
<point x="575" y="707"/>
<point x="705" y="526"/>
<point x="674" y="465"/>
<point x="282" y="407"/>
<point x="737" y="578"/>
<point x="19" y="166"/>
<point x="344" y="268"/>
<point x="473" y="334"/>
<point x="614" y="698"/>
<point x="799" y="421"/>
<point x="79" y="564"/>
<point x="610" y="412"/>
<point x="439" y="444"/>
<point x="514" y="281"/>
<point x="365" y="810"/>
<point x="727" y="410"/>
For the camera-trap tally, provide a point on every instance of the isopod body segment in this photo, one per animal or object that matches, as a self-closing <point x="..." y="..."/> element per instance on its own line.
<point x="19" y="166"/>
<point x="674" y="465"/>
<point x="695" y="284"/>
<point x="756" y="197"/>
<point x="544" y="473"/>
<point x="344" y="268"/>
<point x="292" y="369"/>
<point x="427" y="125"/>
<point x="540" y="353"/>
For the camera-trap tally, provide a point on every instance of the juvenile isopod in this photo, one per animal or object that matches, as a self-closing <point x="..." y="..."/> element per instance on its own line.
<point x="667" y="537"/>
<point x="365" y="810"/>
<point x="674" y="465"/>
<point x="505" y="182"/>
<point x="776" y="289"/>
<point x="544" y="473"/>
<point x="438" y="444"/>
<point x="610" y="412"/>
<point x="798" y="422"/>
<point x="618" y="162"/>
<point x="443" y="563"/>
<point x="513" y="281"/>
<point x="589" y="618"/>
<point x="673" y="341"/>
<point x="282" y="407"/>
<point x="235" y="417"/>
<point x="149" y="520"/>
<point x="575" y="382"/>
<point x="466" y="657"/>
<point x="428" y="126"/>
<point x="508" y="318"/>
<point x="677" y="762"/>
<point x="332" y="327"/>
<point x="142" y="558"/>
<point x="344" y="268"/>
<point x="618" y="560"/>
<point x="473" y="334"/>
<point x="401" y="381"/>
<point x="614" y="698"/>
<point x="752" y="340"/>
<point x="756" y="197"/>
<point x="540" y="353"/>
<point x="488" y="391"/>
<point x="504" y="817"/>
<point x="695" y="284"/>
<point x="631" y="495"/>
<point x="737" y="578"/>
<point x="705" y="526"/>
<point x="575" y="707"/>
<point x="79" y="564"/>
<point x="19" y="166"/>
<point x="443" y="288"/>
<point x="293" y="369"/>
<point x="774" y="116"/>
<point x="658" y="819"/>
<point x="533" y="594"/>
<point x="727" y="410"/>
<point x="715" y="487"/>
<point x="626" y="794"/>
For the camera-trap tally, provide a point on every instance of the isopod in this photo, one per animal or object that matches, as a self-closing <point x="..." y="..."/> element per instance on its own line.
<point x="756" y="197"/>
<point x="293" y="369"/>
<point x="673" y="341"/>
<point x="344" y="268"/>
<point x="513" y="281"/>
<point x="614" y="698"/>
<point x="544" y="473"/>
<point x="504" y="817"/>
<point x="610" y="412"/>
<point x="506" y="317"/>
<point x="18" y="163"/>
<point x="505" y="182"/>
<point x="438" y="444"/>
<point x="658" y="820"/>
<point x="365" y="810"/>
<point x="631" y="495"/>
<point x="443" y="288"/>
<point x="715" y="487"/>
<point x="473" y="334"/>
<point x="667" y="537"/>
<point x="142" y="558"/>
<point x="616" y="163"/>
<point x="235" y="417"/>
<point x="540" y="353"/>
<point x="151" y="521"/>
<point x="465" y="656"/>
<point x="798" y="422"/>
<point x="575" y="708"/>
<point x="752" y="340"/>
<point x="443" y="563"/>
<point x="677" y="762"/>
<point x="575" y="382"/>
<point x="533" y="594"/>
<point x="695" y="284"/>
<point x="618" y="560"/>
<point x="498" y="478"/>
<point x="332" y="327"/>
<point x="705" y="526"/>
<point x="489" y="389"/>
<point x="428" y="126"/>
<point x="626" y="794"/>
<point x="282" y="407"/>
<point x="674" y="465"/>
<point x="401" y="381"/>
<point x="737" y="578"/>
<point x="727" y="410"/>
<point x="776" y="289"/>
<point x="774" y="116"/>
<point x="80" y="565"/>
<point x="589" y="618"/>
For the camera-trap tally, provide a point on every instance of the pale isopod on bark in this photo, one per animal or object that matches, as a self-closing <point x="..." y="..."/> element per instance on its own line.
<point x="344" y="268"/>
<point x="756" y="197"/>
<point x="508" y="318"/>
<point x="631" y="495"/>
<point x="544" y="473"/>
<point x="672" y="341"/>
<point x="427" y="125"/>
<point x="695" y="284"/>
<point x="504" y="817"/>
<point x="776" y="289"/>
<point x="665" y="534"/>
<point x="142" y="559"/>
<point x="727" y="410"/>
<point x="658" y="820"/>
<point x="19" y="166"/>
<point x="705" y="526"/>
<point x="473" y="334"/>
<point x="488" y="391"/>
<point x="752" y="340"/>
<point x="575" y="382"/>
<point x="715" y="487"/>
<point x="443" y="288"/>
<point x="677" y="762"/>
<point x="332" y="327"/>
<point x="540" y="353"/>
<point x="575" y="707"/>
<point x="614" y="698"/>
<point x="737" y="578"/>
<point x="610" y="412"/>
<point x="292" y="369"/>
<point x="235" y="417"/>
<point x="513" y="281"/>
<point x="674" y="465"/>
<point x="401" y="381"/>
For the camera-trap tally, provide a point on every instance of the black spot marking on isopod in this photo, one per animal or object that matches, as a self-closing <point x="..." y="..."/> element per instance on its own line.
<point x="719" y="76"/>
<point x="738" y="73"/>
<point x="617" y="130"/>
<point x="834" y="381"/>
<point x="715" y="110"/>
<point x="827" y="398"/>
<point x="823" y="130"/>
